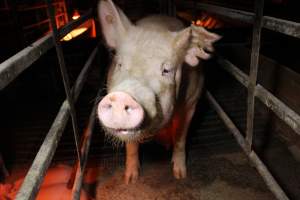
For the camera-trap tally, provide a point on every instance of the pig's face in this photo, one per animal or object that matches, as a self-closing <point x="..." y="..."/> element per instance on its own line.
<point x="144" y="67"/>
<point x="144" y="77"/>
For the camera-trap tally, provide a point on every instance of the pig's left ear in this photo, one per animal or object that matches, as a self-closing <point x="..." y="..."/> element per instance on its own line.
<point x="201" y="42"/>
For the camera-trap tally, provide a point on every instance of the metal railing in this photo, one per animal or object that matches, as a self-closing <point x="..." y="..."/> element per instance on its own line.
<point x="14" y="66"/>
<point x="285" y="113"/>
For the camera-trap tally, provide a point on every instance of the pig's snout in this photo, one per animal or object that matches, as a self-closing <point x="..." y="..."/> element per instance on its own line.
<point x="118" y="110"/>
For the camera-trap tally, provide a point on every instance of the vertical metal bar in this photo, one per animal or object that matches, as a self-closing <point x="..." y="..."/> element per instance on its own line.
<point x="64" y="76"/>
<point x="258" y="22"/>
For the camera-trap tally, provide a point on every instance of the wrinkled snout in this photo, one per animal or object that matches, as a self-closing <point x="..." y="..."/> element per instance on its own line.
<point x="118" y="110"/>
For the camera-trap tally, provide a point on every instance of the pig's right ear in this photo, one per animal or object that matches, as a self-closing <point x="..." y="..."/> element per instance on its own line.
<point x="113" y="21"/>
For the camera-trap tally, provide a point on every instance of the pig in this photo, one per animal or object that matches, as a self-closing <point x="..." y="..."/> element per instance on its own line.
<point x="153" y="83"/>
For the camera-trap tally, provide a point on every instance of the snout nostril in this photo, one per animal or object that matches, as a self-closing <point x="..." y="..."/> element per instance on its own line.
<point x="127" y="108"/>
<point x="107" y="106"/>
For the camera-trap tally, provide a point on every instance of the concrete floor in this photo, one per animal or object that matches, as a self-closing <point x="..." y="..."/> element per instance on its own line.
<point x="220" y="176"/>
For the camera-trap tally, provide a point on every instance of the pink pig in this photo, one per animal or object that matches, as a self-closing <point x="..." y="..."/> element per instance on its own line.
<point x="153" y="83"/>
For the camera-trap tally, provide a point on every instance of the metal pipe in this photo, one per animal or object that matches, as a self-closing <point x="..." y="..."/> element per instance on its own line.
<point x="37" y="171"/>
<point x="16" y="64"/>
<point x="65" y="76"/>
<point x="259" y="165"/>
<point x="259" y="7"/>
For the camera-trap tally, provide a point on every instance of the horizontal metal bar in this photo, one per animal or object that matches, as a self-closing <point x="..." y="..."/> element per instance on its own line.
<point x="279" y="25"/>
<point x="285" y="113"/>
<point x="16" y="64"/>
<point x="259" y="165"/>
<point x="279" y="108"/>
<point x="283" y="26"/>
<point x="45" y="154"/>
<point x="73" y="24"/>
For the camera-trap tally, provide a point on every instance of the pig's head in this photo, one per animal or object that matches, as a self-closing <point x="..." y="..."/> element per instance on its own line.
<point x="144" y="78"/>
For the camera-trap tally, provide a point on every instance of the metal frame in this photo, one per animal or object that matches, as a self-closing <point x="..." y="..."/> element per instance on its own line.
<point x="14" y="66"/>
<point x="285" y="113"/>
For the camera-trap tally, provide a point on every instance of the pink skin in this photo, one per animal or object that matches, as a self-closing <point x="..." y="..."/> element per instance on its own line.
<point x="119" y="111"/>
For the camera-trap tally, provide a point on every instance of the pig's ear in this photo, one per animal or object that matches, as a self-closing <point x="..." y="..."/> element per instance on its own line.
<point x="114" y="23"/>
<point x="201" y="42"/>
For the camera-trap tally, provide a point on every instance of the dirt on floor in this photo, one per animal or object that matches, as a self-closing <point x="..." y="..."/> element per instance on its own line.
<point x="215" y="177"/>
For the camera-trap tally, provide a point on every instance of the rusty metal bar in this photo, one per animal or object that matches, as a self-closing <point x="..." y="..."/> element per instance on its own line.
<point x="65" y="76"/>
<point x="259" y="7"/>
<point x="283" y="26"/>
<point x="16" y="64"/>
<point x="285" y="113"/>
<point x="259" y="165"/>
<point x="45" y="154"/>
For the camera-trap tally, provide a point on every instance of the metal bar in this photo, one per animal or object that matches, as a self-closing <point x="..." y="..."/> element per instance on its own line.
<point x="283" y="26"/>
<point x="259" y="165"/>
<point x="16" y="64"/>
<point x="285" y="113"/>
<point x="85" y="149"/>
<point x="280" y="109"/>
<point x="45" y="154"/>
<point x="65" y="76"/>
<point x="259" y="7"/>
<point x="279" y="25"/>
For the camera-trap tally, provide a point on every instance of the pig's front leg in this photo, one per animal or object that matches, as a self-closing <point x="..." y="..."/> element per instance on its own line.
<point x="132" y="162"/>
<point x="179" y="154"/>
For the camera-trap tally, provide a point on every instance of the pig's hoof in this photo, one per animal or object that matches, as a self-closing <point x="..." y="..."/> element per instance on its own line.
<point x="179" y="167"/>
<point x="131" y="175"/>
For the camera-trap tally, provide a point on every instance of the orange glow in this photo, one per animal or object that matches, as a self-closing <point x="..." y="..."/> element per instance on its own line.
<point x="53" y="187"/>
<point x="76" y="15"/>
<point x="208" y="22"/>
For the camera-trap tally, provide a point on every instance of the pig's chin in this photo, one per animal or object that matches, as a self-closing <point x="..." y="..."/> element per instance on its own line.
<point x="125" y="135"/>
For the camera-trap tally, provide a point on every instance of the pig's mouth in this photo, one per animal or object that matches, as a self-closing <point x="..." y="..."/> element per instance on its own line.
<point x="125" y="135"/>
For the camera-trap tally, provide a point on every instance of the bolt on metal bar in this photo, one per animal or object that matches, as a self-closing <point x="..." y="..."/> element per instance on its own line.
<point x="285" y="113"/>
<point x="259" y="165"/>
<point x="65" y="77"/>
<point x="259" y="6"/>
<point x="15" y="65"/>
<point x="37" y="171"/>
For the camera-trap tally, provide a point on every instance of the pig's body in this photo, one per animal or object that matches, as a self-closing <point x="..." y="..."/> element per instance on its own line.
<point x="150" y="91"/>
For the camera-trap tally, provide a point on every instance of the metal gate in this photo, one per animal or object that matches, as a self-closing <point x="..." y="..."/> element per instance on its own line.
<point x="12" y="67"/>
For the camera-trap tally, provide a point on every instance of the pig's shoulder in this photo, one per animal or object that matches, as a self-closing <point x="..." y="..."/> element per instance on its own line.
<point x="161" y="22"/>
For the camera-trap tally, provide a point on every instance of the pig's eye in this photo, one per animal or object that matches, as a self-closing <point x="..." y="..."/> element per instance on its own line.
<point x="119" y="65"/>
<point x="167" y="69"/>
